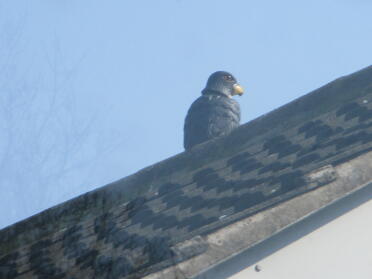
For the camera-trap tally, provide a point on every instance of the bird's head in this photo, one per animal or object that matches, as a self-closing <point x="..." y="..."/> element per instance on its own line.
<point x="222" y="83"/>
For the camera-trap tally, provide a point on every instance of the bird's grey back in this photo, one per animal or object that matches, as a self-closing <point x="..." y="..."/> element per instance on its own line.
<point x="210" y="116"/>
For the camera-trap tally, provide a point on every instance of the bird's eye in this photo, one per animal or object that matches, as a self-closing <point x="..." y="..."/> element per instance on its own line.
<point x="228" y="78"/>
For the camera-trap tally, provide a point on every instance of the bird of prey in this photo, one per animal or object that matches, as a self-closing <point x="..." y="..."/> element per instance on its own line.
<point x="215" y="113"/>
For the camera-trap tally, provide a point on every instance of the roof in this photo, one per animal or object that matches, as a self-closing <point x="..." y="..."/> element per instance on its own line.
<point x="186" y="214"/>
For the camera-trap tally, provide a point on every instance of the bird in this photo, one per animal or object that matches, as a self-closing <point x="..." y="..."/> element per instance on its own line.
<point x="215" y="113"/>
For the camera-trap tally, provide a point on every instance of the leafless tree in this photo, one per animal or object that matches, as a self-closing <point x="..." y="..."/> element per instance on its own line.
<point x="43" y="142"/>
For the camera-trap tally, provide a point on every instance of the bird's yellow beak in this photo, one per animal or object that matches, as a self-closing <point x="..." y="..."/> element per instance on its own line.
<point x="238" y="90"/>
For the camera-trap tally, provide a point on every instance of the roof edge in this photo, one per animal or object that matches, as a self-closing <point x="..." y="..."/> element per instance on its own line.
<point x="148" y="179"/>
<point x="227" y="242"/>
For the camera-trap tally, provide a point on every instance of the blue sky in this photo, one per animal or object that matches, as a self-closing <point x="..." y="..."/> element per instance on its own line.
<point x="125" y="73"/>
